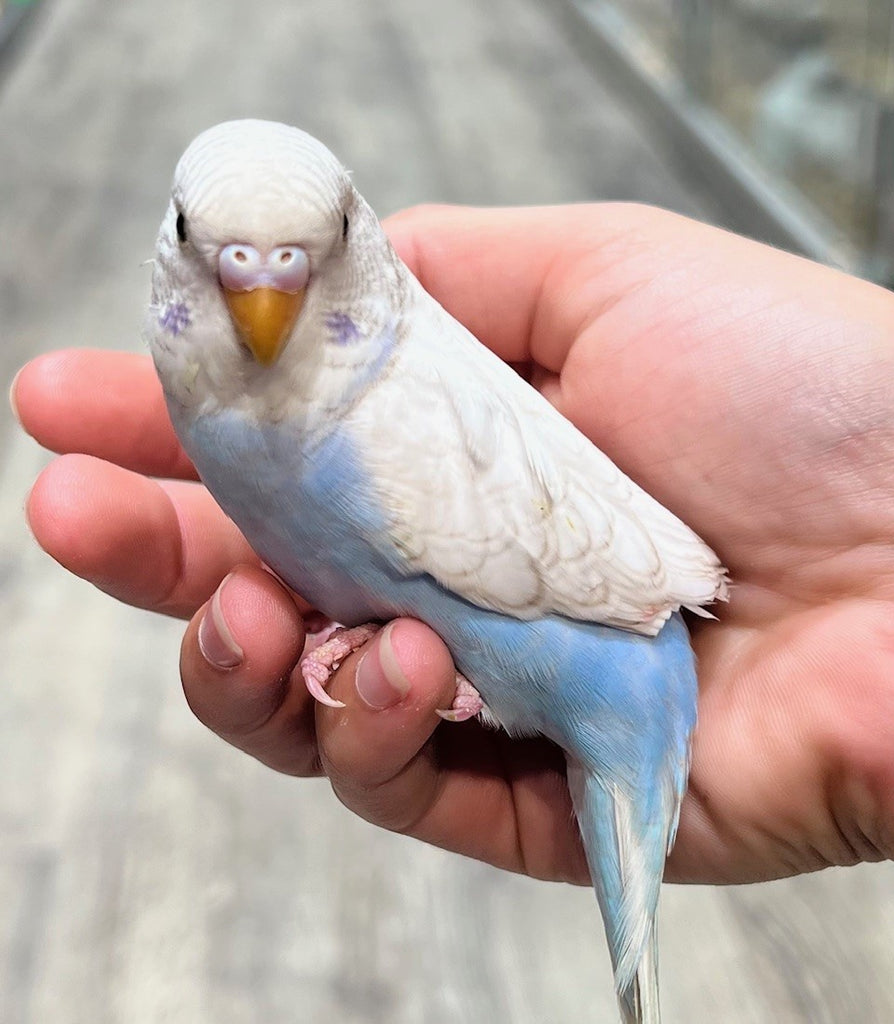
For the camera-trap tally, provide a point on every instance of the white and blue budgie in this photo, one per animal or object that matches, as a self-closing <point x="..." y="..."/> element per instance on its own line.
<point x="384" y="463"/>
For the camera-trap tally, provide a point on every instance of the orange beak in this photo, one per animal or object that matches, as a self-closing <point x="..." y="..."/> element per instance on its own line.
<point x="264" y="318"/>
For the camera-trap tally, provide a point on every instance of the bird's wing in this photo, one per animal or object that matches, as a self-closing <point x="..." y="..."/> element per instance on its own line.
<point x="492" y="492"/>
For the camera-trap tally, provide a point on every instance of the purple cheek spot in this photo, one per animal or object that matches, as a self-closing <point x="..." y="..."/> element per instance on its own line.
<point x="175" y="318"/>
<point x="343" y="329"/>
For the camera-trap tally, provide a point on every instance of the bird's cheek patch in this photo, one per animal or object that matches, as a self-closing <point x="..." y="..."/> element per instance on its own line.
<point x="342" y="329"/>
<point x="175" y="318"/>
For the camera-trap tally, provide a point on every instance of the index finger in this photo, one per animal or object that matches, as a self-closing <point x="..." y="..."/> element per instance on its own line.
<point x="106" y="404"/>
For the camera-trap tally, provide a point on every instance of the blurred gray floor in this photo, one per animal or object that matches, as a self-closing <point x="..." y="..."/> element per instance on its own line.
<point x="147" y="872"/>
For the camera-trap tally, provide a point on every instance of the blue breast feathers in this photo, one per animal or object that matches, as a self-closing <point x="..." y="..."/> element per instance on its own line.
<point x="313" y="517"/>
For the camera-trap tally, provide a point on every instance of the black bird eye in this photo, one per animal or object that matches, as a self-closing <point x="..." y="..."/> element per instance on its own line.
<point x="181" y="228"/>
<point x="344" y="227"/>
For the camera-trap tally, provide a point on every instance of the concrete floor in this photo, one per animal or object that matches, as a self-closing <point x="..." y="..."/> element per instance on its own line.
<point x="147" y="871"/>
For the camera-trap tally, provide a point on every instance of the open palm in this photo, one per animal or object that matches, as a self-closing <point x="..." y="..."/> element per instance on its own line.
<point x="749" y="391"/>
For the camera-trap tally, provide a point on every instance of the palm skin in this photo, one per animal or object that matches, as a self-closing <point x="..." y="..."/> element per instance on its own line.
<point x="749" y="391"/>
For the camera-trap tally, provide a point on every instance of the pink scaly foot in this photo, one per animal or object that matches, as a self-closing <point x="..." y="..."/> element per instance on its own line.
<point x="467" y="702"/>
<point x="323" y="659"/>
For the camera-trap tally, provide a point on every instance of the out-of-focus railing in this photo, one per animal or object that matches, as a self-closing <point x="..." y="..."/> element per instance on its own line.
<point x="785" y="107"/>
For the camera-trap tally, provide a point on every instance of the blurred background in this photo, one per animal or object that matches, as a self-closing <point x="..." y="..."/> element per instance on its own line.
<point x="147" y="871"/>
<point x="784" y="109"/>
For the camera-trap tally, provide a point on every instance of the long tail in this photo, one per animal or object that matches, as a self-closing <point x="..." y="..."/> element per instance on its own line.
<point x="626" y="841"/>
<point x="639" y="1001"/>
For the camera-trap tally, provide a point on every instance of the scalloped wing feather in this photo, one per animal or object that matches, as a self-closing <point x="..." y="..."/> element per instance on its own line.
<point x="491" y="491"/>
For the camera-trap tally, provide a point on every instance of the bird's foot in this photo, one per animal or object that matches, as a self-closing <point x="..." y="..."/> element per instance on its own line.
<point x="325" y="650"/>
<point x="467" y="702"/>
<point x="322" y="658"/>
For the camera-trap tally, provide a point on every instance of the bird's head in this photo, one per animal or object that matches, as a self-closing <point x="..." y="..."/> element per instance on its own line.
<point x="258" y="211"/>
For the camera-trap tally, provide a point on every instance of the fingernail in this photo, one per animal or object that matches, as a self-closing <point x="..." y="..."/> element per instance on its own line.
<point x="380" y="681"/>
<point x="216" y="642"/>
<point x="12" y="397"/>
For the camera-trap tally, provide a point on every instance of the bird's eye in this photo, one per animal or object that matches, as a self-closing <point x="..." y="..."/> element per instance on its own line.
<point x="181" y="228"/>
<point x="344" y="227"/>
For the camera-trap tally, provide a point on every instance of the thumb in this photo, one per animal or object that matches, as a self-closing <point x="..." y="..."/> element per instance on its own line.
<point x="376" y="750"/>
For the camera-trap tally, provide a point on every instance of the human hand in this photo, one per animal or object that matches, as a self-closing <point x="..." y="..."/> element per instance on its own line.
<point x="749" y="391"/>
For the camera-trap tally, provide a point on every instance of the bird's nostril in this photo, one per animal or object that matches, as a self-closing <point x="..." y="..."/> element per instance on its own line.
<point x="289" y="267"/>
<point x="239" y="266"/>
<point x="242" y="268"/>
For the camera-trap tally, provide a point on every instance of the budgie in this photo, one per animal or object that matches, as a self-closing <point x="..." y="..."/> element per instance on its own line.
<point x="385" y="463"/>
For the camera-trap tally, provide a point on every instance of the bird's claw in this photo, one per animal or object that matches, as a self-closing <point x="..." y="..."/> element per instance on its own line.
<point x="467" y="702"/>
<point x="321" y="660"/>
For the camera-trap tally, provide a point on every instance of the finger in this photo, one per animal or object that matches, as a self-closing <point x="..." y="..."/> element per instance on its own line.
<point x="547" y="271"/>
<point x="237" y="663"/>
<point x="162" y="546"/>
<point x="392" y="760"/>
<point x="459" y="252"/>
<point x="107" y="404"/>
